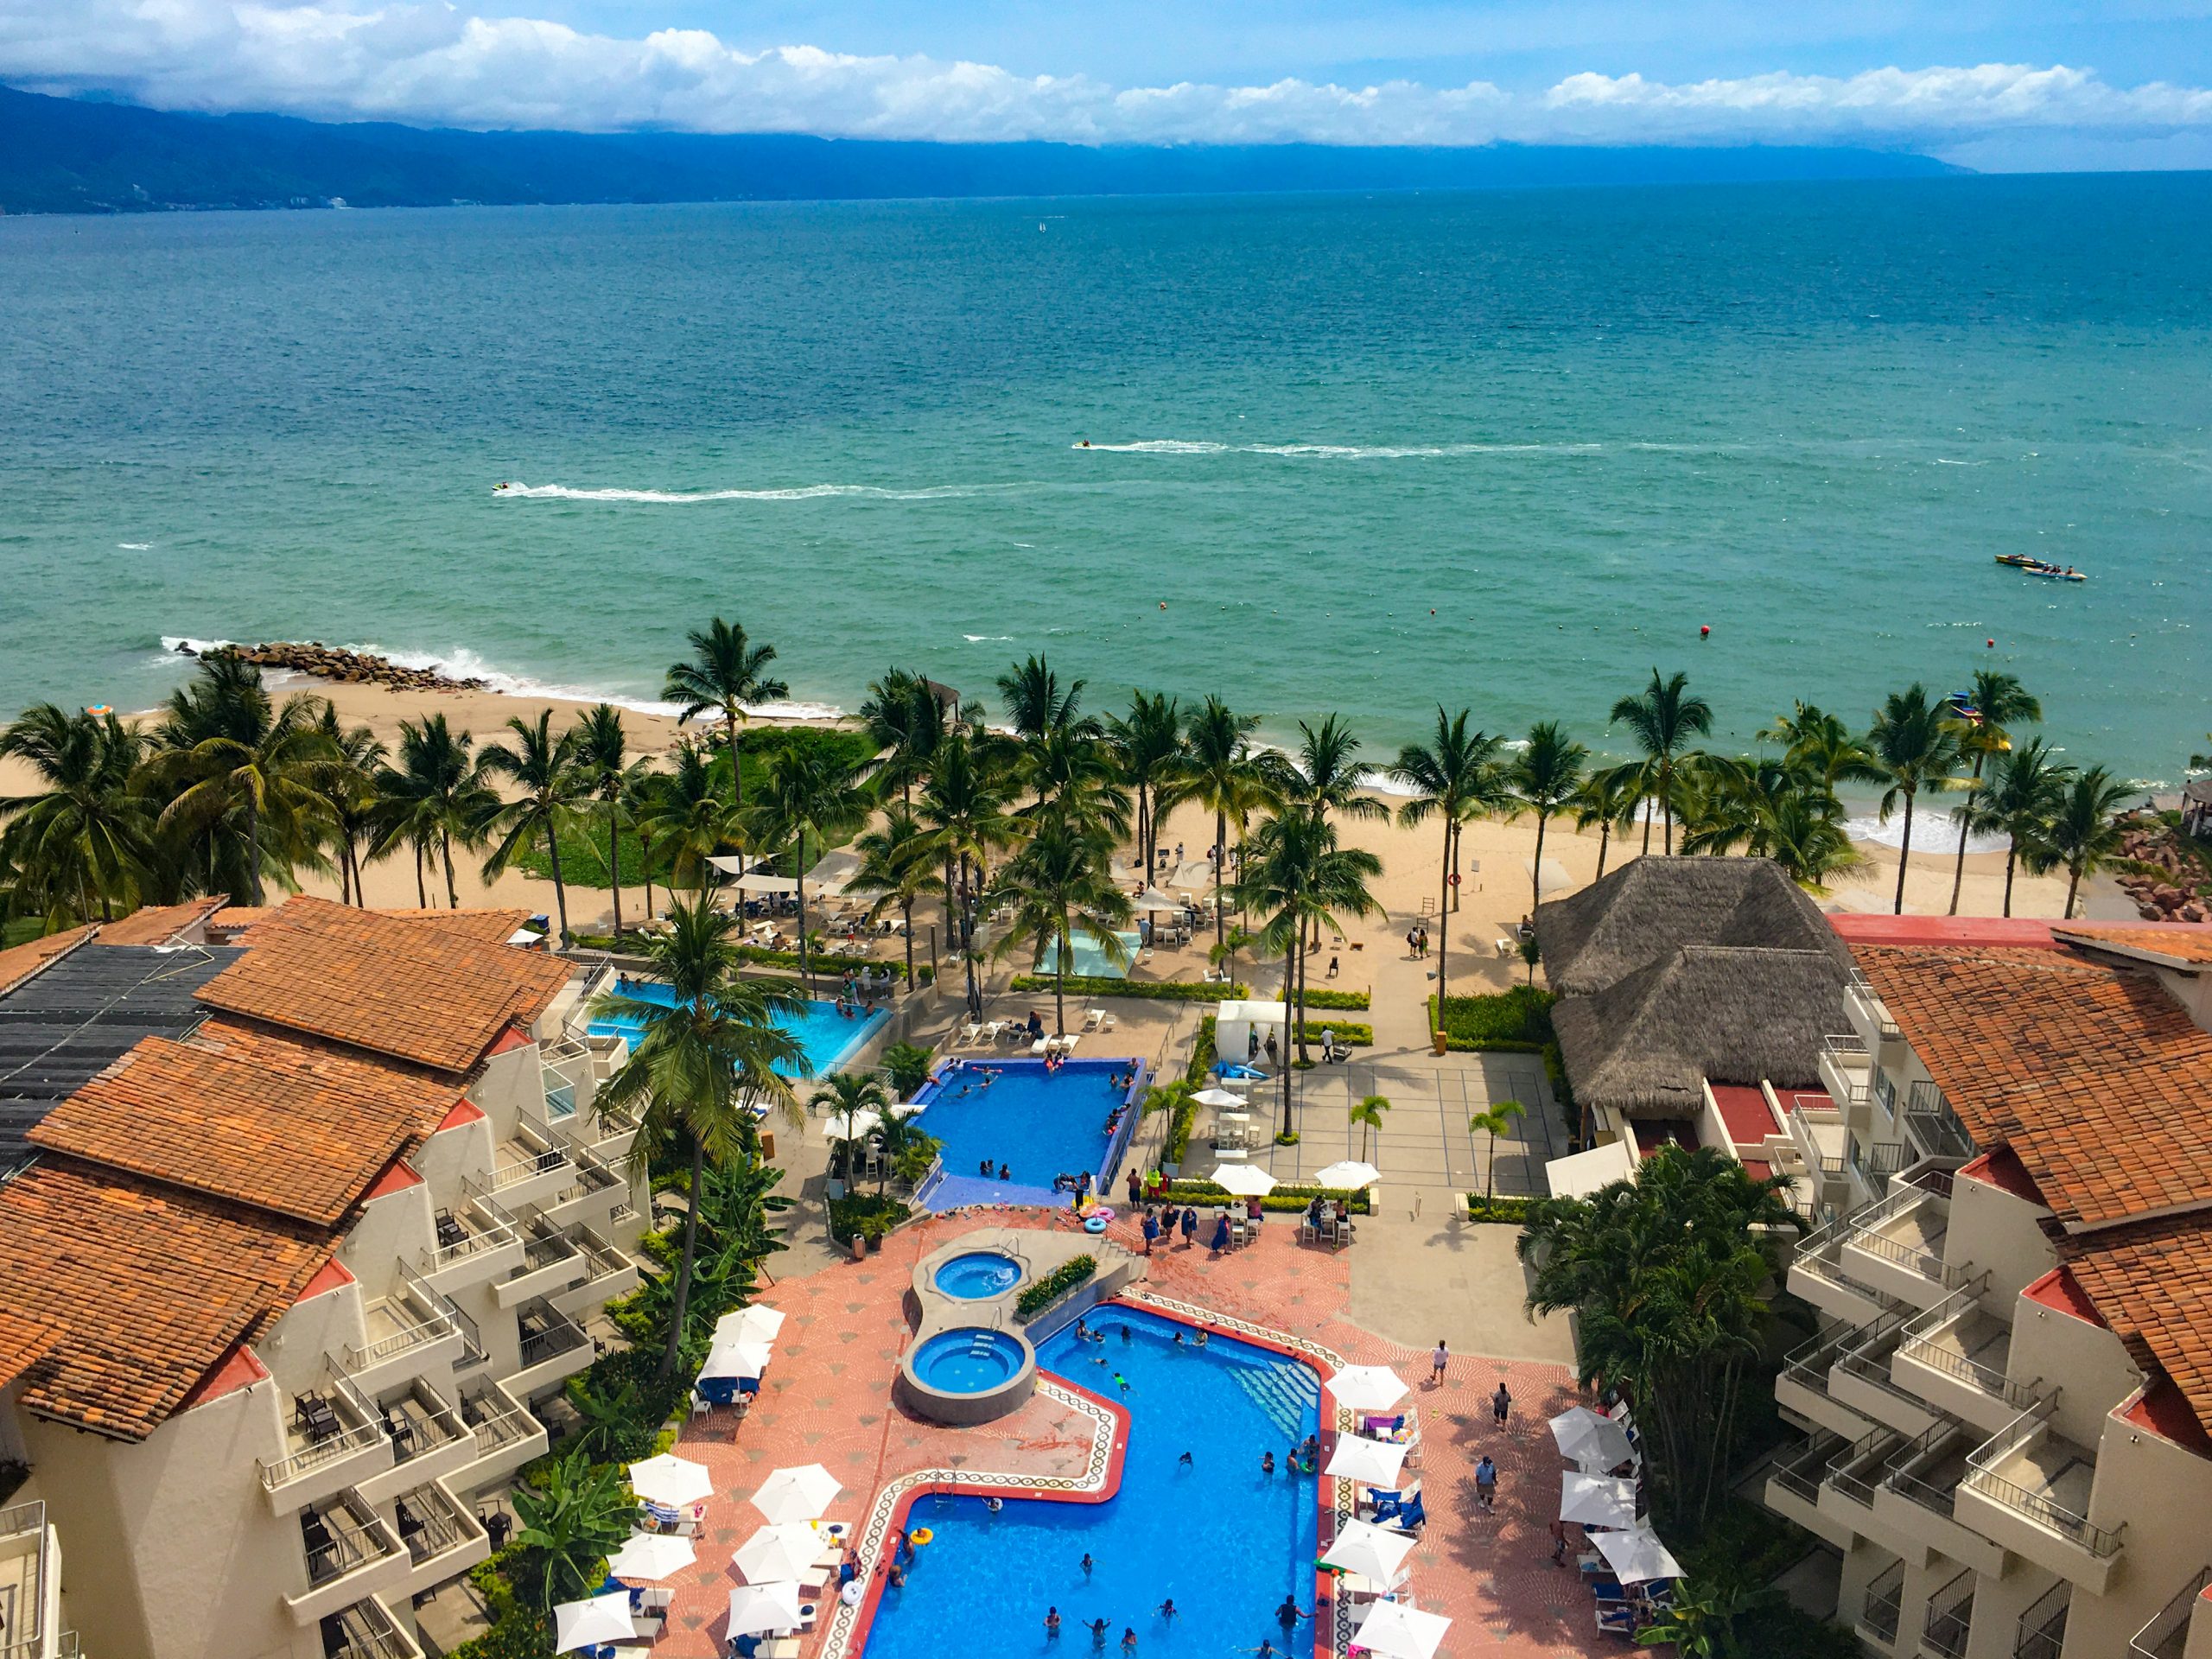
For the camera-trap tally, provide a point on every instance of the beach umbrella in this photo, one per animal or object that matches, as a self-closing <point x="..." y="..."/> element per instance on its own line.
<point x="735" y="1359"/>
<point x="1397" y="1632"/>
<point x="851" y="1126"/>
<point x="1596" y="1500"/>
<point x="784" y="1551"/>
<point x="1245" y="1180"/>
<point x="1588" y="1438"/>
<point x="1372" y="1463"/>
<point x="671" y="1480"/>
<point x="1153" y="899"/>
<point x="1636" y="1555"/>
<point x="754" y="1608"/>
<point x="651" y="1555"/>
<point x="1551" y="876"/>
<point x="754" y="1324"/>
<point x="1367" y="1388"/>
<point x="588" y="1623"/>
<point x="1348" y="1177"/>
<point x="1376" y="1552"/>
<point x="799" y="1494"/>
<point x="1219" y="1099"/>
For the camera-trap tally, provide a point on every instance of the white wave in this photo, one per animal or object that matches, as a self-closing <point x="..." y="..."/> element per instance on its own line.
<point x="462" y="664"/>
<point x="803" y="492"/>
<point x="179" y="646"/>
<point x="135" y="547"/>
<point x="1932" y="832"/>
<point x="1157" y="447"/>
<point x="989" y="639"/>
<point x="1337" y="451"/>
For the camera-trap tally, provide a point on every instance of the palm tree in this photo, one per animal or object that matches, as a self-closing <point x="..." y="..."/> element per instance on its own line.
<point x="1075" y="777"/>
<point x="570" y="1523"/>
<point x="1807" y="839"/>
<point x="905" y="1069"/>
<point x="1545" y="775"/>
<point x="1148" y="745"/>
<point x="841" y="1096"/>
<point x="434" y="795"/>
<point x="1916" y="743"/>
<point x="2000" y="701"/>
<point x="699" y="1063"/>
<point x="1701" y="1618"/>
<point x="1061" y="884"/>
<point x="2018" y="800"/>
<point x="1608" y="798"/>
<point x="554" y="783"/>
<point x="1662" y="718"/>
<point x="85" y="836"/>
<point x="1494" y="1122"/>
<point x="1815" y="741"/>
<point x="2085" y="831"/>
<point x="809" y="797"/>
<point x="685" y="820"/>
<point x="1368" y="1115"/>
<point x="725" y="671"/>
<point x="348" y="778"/>
<point x="1300" y="876"/>
<point x="609" y="777"/>
<point x="1036" y="702"/>
<point x="904" y="720"/>
<point x="1454" y="778"/>
<point x="964" y="809"/>
<point x="1223" y="773"/>
<point x="896" y="865"/>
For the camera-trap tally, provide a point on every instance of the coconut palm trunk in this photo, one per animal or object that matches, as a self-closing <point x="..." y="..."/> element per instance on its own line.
<point x="1904" y="853"/>
<point x="1289" y="977"/>
<point x="1604" y="840"/>
<point x="614" y="866"/>
<point x="798" y="881"/>
<point x="675" y="1348"/>
<point x="445" y="846"/>
<point x="1220" y="875"/>
<point x="1959" y="866"/>
<point x="560" y="886"/>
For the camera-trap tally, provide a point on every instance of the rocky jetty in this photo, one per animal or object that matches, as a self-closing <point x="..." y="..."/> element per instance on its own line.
<point x="323" y="662"/>
<point x="2175" y="896"/>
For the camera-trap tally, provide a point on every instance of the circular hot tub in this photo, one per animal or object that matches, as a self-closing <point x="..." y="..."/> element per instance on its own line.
<point x="969" y="1374"/>
<point x="978" y="1276"/>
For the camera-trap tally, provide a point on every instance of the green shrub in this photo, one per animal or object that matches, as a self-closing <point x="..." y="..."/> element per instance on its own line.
<point x="1154" y="990"/>
<point x="1515" y="1210"/>
<point x="1518" y="1020"/>
<point x="1287" y="1197"/>
<point x="1036" y="1298"/>
<point x="1202" y="1054"/>
<point x="1555" y="1072"/>
<point x="1358" y="1001"/>
<point x="1348" y="1031"/>
<point x="866" y="1214"/>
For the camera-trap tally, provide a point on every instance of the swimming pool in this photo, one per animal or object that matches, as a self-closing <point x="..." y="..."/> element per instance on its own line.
<point x="827" y="1037"/>
<point x="1227" y="1543"/>
<point x="1036" y="1123"/>
<point x="970" y="1360"/>
<point x="1088" y="959"/>
<point x="977" y="1275"/>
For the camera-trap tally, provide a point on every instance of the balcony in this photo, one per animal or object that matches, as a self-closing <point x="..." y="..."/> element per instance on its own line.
<point x="1861" y="1379"/>
<point x="1868" y="1017"/>
<point x="1802" y="1389"/>
<point x="506" y="1437"/>
<point x="608" y="1273"/>
<point x="430" y="1439"/>
<point x="1848" y="1482"/>
<point x="1877" y="1616"/>
<point x="2043" y="1627"/>
<point x="366" y="1630"/>
<point x="1846" y="1073"/>
<point x="528" y="1167"/>
<point x="1918" y="1495"/>
<point x="30" y="1586"/>
<point x="1816" y="1274"/>
<point x="554" y="1348"/>
<point x="1949" y="1621"/>
<point x="348" y="1553"/>
<point x="443" y="1540"/>
<point x="2028" y="1488"/>
<point x="2166" y="1637"/>
<point x="472" y="1245"/>
<point x="1816" y="1127"/>
<point x="333" y="1439"/>
<point x="551" y="1261"/>
<point x="408" y="1332"/>
<point x="1954" y="1355"/>
<point x="1792" y="1490"/>
<point x="1897" y="1247"/>
<point x="589" y="1195"/>
<point x="1933" y="1128"/>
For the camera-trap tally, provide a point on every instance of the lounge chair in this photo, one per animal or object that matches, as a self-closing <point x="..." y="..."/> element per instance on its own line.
<point x="971" y="1032"/>
<point x="1106" y="1021"/>
<point x="1091" y="1017"/>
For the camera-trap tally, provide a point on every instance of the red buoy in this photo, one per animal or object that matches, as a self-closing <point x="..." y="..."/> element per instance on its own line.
<point x="1992" y="644"/>
<point x="1705" y="630"/>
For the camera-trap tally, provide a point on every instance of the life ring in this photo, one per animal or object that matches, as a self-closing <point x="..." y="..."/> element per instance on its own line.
<point x="920" y="1536"/>
<point x="1094" y="1224"/>
<point x="1102" y="1212"/>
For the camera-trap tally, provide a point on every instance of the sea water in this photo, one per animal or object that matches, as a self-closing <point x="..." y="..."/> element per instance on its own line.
<point x="1350" y="453"/>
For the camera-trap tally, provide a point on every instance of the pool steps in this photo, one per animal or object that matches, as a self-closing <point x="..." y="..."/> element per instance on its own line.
<point x="1285" y="1392"/>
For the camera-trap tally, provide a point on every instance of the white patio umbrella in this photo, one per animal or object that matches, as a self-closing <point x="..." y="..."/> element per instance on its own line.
<point x="671" y="1480"/>
<point x="1348" y="1177"/>
<point x="757" y="1607"/>
<point x="1596" y="1500"/>
<point x="1245" y="1180"/>
<point x="853" y="1125"/>
<point x="1220" y="1099"/>
<point x="1590" y="1439"/>
<point x="1398" y="1631"/>
<point x="735" y="1359"/>
<point x="1372" y="1463"/>
<point x="651" y="1555"/>
<point x="1636" y="1555"/>
<point x="1551" y="875"/>
<point x="1376" y="1551"/>
<point x="1367" y="1388"/>
<point x="784" y="1551"/>
<point x="588" y="1623"/>
<point x="1153" y="899"/>
<point x="799" y="1494"/>
<point x="754" y="1324"/>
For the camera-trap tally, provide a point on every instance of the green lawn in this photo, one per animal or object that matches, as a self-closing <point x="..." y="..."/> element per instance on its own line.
<point x="1518" y="1019"/>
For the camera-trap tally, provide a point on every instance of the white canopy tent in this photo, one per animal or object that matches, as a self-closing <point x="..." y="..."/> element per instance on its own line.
<point x="755" y="1608"/>
<point x="1245" y="1180"/>
<point x="751" y="881"/>
<point x="1596" y="1500"/>
<point x="1581" y="1173"/>
<point x="651" y="1555"/>
<point x="1220" y="1099"/>
<point x="833" y="874"/>
<point x="1362" y="1547"/>
<point x="671" y="1480"/>
<point x="1636" y="1555"/>
<point x="1233" y="1021"/>
<point x="1372" y="1463"/>
<point x="1367" y="1388"/>
<point x="1397" y="1632"/>
<point x="1592" y="1441"/>
<point x="591" y="1622"/>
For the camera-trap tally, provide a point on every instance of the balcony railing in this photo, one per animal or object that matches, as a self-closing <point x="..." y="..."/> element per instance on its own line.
<point x="23" y="1635"/>
<point x="464" y="1240"/>
<point x="544" y="1245"/>
<point x="1934" y="1126"/>
<point x="365" y="1630"/>
<point x="1885" y="1600"/>
<point x="1950" y="1619"/>
<point x="1915" y="1471"/>
<point x="497" y="1423"/>
<point x="433" y="1325"/>
<point x="603" y="1259"/>
<point x="1827" y="1163"/>
<point x="527" y="1167"/>
<point x="2167" y="1633"/>
<point x="429" y="1525"/>
<point x="2038" y="1507"/>
<point x="1918" y="1343"/>
<point x="341" y="1537"/>
<point x="1877" y="1015"/>
<point x="284" y="1471"/>
<point x="1846" y="1053"/>
<point x="547" y="1331"/>
<point x="1854" y="1470"/>
<point x="1800" y="1475"/>
<point x="2043" y="1627"/>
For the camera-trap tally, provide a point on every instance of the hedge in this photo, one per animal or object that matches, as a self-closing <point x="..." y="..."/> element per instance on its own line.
<point x="1287" y="1197"/>
<point x="1511" y="1209"/>
<point x="865" y="1213"/>
<point x="1518" y="1021"/>
<point x="1036" y="1298"/>
<point x="1347" y="1030"/>
<point x="1154" y="990"/>
<point x="1204" y="1054"/>
<point x="1357" y="1001"/>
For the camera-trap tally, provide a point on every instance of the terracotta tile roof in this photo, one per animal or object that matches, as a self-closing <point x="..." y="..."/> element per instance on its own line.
<point x="19" y="963"/>
<point x="234" y="919"/>
<point x="485" y="927"/>
<point x="24" y="1340"/>
<point x="151" y="1287"/>
<point x="2186" y="944"/>
<point x="159" y="923"/>
<point x="2090" y="1072"/>
<point x="1957" y="932"/>
<point x="414" y="990"/>
<point x="2152" y="1283"/>
<point x="237" y="1113"/>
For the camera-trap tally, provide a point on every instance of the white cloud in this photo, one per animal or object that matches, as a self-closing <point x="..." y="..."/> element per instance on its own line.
<point x="426" y="61"/>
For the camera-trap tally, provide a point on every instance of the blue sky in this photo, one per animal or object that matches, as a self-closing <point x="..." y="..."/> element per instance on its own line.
<point x="2032" y="83"/>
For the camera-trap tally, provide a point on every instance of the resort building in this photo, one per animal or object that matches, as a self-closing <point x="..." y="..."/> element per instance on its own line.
<point x="2008" y="1408"/>
<point x="299" y="1228"/>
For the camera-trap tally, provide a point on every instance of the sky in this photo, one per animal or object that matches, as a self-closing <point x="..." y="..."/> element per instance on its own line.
<point x="1999" y="85"/>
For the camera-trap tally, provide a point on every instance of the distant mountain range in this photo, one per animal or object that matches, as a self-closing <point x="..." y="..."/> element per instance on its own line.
<point x="71" y="156"/>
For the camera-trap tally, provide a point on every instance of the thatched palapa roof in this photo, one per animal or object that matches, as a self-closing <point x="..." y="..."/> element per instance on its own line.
<point x="1733" y="1014"/>
<point x="1651" y="907"/>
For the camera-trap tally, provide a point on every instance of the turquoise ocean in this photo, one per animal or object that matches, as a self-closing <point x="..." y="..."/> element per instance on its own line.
<point x="1509" y="450"/>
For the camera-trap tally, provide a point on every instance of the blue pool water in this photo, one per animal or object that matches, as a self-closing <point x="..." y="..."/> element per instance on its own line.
<point x="826" y="1036"/>
<point x="1039" y="1124"/>
<point x="968" y="1361"/>
<point x="1224" y="1541"/>
<point x="977" y="1274"/>
<point x="1088" y="958"/>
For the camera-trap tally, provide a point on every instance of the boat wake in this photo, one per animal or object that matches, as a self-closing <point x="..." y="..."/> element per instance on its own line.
<point x="802" y="492"/>
<point x="1336" y="451"/>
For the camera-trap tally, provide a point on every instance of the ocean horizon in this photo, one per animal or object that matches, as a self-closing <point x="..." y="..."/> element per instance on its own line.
<point x="1337" y="454"/>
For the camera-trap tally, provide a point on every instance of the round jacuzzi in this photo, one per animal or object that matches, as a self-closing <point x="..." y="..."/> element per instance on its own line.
<point x="969" y="1374"/>
<point x="978" y="1276"/>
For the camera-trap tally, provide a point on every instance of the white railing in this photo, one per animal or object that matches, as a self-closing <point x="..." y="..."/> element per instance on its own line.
<point x="2038" y="1507"/>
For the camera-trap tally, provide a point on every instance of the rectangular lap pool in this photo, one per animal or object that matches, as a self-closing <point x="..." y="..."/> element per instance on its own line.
<point x="1035" y="1123"/>
<point x="1225" y="1541"/>
<point x="827" y="1037"/>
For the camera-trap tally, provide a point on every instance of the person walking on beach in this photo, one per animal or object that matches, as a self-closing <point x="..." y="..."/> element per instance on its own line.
<point x="1486" y="1482"/>
<point x="1501" y="1404"/>
<point x="1437" y="1362"/>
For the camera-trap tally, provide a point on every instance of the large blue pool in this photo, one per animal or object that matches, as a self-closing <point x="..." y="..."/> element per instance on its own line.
<point x="1224" y="1541"/>
<point x="1036" y="1123"/>
<point x="827" y="1036"/>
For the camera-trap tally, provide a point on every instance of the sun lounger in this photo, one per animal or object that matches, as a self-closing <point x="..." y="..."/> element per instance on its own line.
<point x="1106" y="1021"/>
<point x="1091" y="1017"/>
<point x="970" y="1033"/>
